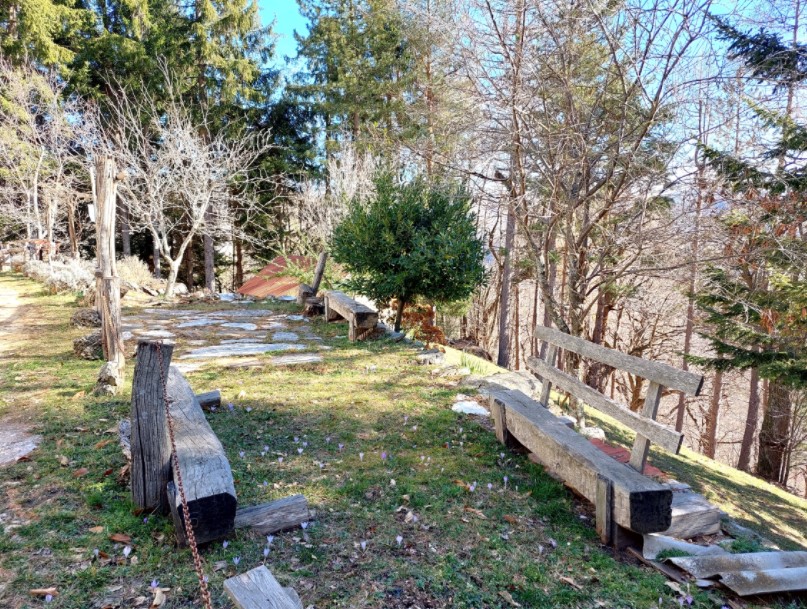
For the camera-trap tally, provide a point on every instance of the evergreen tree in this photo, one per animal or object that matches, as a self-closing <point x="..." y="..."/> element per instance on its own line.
<point x="763" y="325"/>
<point x="359" y="66"/>
<point x="411" y="240"/>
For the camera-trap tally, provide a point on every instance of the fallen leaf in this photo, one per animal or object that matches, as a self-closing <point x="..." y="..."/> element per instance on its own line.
<point x="107" y="472"/>
<point x="475" y="512"/>
<point x="82" y="429"/>
<point x="103" y="443"/>
<point x="80" y="472"/>
<point x="79" y="394"/>
<point x="159" y="598"/>
<point x="102" y="554"/>
<point x="112" y="430"/>
<point x="219" y="565"/>
<point x="98" y="529"/>
<point x="511" y="519"/>
<point x="571" y="582"/>
<point x="43" y="592"/>
<point x="509" y="598"/>
<point x="120" y="538"/>
<point x="23" y="459"/>
<point x="674" y="586"/>
<point x="64" y="461"/>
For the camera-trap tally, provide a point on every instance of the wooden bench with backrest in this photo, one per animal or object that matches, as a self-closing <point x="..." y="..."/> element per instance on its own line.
<point x="624" y="498"/>
<point x="362" y="320"/>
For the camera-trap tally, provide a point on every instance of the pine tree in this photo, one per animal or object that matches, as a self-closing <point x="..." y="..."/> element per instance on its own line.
<point x="763" y="324"/>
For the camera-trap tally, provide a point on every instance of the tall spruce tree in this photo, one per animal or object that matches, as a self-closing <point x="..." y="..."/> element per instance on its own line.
<point x="763" y="324"/>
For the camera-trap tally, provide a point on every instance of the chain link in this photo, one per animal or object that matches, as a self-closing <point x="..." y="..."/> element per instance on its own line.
<point x="197" y="559"/>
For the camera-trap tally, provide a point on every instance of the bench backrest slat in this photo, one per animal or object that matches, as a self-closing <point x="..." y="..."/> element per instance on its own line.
<point x="663" y="374"/>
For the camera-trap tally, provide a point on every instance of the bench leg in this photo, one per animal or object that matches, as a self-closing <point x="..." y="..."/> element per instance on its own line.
<point x="351" y="330"/>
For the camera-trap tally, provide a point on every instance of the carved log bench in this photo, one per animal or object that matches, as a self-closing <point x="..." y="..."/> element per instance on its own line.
<point x="362" y="320"/>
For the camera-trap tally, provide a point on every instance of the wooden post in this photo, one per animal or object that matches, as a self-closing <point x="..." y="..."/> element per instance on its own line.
<point x="279" y="515"/>
<point x="151" y="447"/>
<point x="641" y="446"/>
<point x="258" y="589"/>
<point x="319" y="272"/>
<point x="107" y="283"/>
<point x="499" y="416"/>
<point x="604" y="507"/>
<point x="546" y="385"/>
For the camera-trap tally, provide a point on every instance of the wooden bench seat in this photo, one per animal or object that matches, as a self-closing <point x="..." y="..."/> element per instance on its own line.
<point x="361" y="319"/>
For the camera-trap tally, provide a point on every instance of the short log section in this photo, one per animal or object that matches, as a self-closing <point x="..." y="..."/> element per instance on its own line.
<point x="209" y="399"/>
<point x="268" y="518"/>
<point x="622" y="496"/>
<point x="206" y="474"/>
<point x="258" y="589"/>
<point x="362" y="320"/>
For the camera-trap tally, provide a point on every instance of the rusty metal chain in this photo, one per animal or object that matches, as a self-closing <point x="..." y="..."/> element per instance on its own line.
<point x="197" y="559"/>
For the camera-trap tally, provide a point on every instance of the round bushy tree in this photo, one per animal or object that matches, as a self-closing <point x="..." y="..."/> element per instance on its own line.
<point x="409" y="240"/>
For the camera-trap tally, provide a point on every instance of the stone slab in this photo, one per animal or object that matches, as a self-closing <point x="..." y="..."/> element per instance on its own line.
<point x="294" y="359"/>
<point x="240" y="325"/>
<point x="234" y="350"/>
<point x="286" y="336"/>
<point x="15" y="442"/>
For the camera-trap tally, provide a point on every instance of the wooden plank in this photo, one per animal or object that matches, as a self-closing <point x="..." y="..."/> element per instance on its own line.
<point x="267" y="518"/>
<point x="258" y="589"/>
<point x="546" y="384"/>
<point x="151" y="448"/>
<point x="659" y="434"/>
<point x="665" y="375"/>
<point x="639" y="503"/>
<point x="345" y="306"/>
<point x="206" y="474"/>
<point x="604" y="508"/>
<point x="641" y="444"/>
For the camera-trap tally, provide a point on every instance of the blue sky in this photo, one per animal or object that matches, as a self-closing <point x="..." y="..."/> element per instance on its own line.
<point x="287" y="18"/>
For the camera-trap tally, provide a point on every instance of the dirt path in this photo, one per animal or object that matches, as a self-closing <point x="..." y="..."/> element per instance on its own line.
<point x="15" y="439"/>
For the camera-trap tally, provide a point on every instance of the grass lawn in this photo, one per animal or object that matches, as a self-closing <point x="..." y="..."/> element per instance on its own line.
<point x="402" y="531"/>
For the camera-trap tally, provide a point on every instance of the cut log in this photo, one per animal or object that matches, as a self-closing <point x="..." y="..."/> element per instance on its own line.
<point x="362" y="320"/>
<point x="662" y="374"/>
<point x="658" y="433"/>
<point x="209" y="399"/>
<point x="258" y="589"/>
<point x="206" y="474"/>
<point x="637" y="503"/>
<point x="314" y="306"/>
<point x="268" y="518"/>
<point x="151" y="448"/>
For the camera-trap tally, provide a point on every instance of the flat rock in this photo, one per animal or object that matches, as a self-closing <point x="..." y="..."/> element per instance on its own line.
<point x="15" y="442"/>
<point x="243" y="313"/>
<point x="201" y="321"/>
<point x="232" y="350"/>
<point x="288" y="336"/>
<point x="295" y="317"/>
<point x="175" y="312"/>
<point x="235" y="341"/>
<point x="430" y="357"/>
<point x="186" y="367"/>
<point x="509" y="380"/>
<point x="154" y="333"/>
<point x="302" y="358"/>
<point x="240" y="325"/>
<point x="286" y="298"/>
<point x="470" y="407"/>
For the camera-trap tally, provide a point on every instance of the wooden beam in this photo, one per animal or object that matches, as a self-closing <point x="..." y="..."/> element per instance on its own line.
<point x="206" y="474"/>
<point x="546" y="384"/>
<point x="665" y="375"/>
<point x="638" y="503"/>
<point x="319" y="272"/>
<point x="641" y="444"/>
<point x="267" y="518"/>
<point x="660" y="434"/>
<point x="258" y="589"/>
<point x="361" y="318"/>
<point x="151" y="449"/>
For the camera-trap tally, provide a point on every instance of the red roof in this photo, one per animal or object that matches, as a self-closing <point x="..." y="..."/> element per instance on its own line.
<point x="270" y="282"/>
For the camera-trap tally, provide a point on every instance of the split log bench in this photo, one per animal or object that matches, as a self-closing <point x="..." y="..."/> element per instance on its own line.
<point x="258" y="589"/>
<point x="624" y="498"/>
<point x="362" y="320"/>
<point x="206" y="475"/>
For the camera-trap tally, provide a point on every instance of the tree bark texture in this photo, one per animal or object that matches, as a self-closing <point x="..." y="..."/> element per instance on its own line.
<point x="713" y="418"/>
<point x="503" y="356"/>
<point x="773" y="437"/>
<point x="751" y="421"/>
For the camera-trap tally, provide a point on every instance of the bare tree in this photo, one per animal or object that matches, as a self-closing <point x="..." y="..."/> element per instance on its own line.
<point x="180" y="178"/>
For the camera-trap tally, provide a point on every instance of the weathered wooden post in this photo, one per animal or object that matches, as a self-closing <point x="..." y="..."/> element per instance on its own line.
<point x="319" y="272"/>
<point x="107" y="282"/>
<point x="151" y="447"/>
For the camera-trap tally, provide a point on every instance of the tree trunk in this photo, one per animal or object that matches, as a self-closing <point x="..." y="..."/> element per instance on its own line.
<point x="517" y="333"/>
<point x="503" y="357"/>
<point x="210" y="271"/>
<point x="71" y="228"/>
<point x="751" y="421"/>
<point x="108" y="283"/>
<point x="399" y="314"/>
<point x="773" y="437"/>
<point x="155" y="254"/>
<point x="173" y="272"/>
<point x="713" y="419"/>
<point x="239" y="263"/>
<point x="189" y="264"/>
<point x="125" y="229"/>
